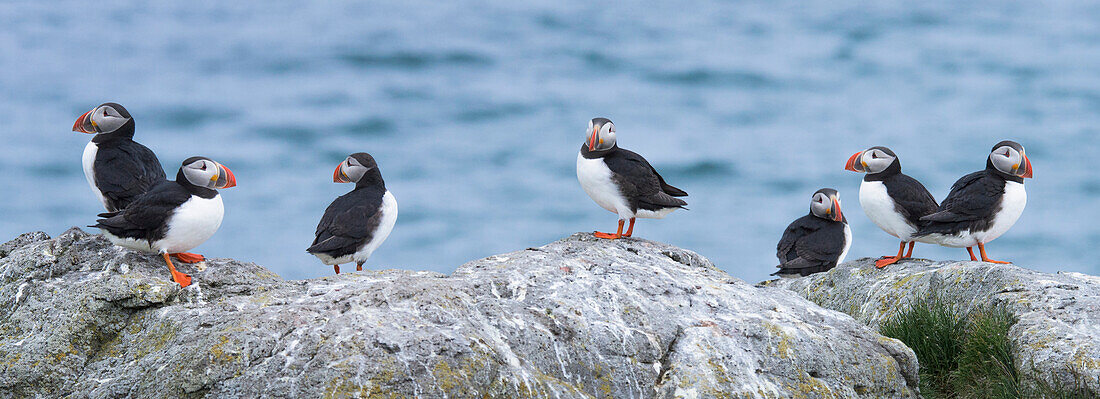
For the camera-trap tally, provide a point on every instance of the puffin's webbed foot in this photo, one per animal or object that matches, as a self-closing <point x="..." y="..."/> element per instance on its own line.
<point x="886" y="261"/>
<point x="985" y="258"/>
<point x="187" y="257"/>
<point x="180" y="278"/>
<point x="609" y="236"/>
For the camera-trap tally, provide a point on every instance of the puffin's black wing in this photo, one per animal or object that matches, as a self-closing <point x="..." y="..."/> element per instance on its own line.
<point x="348" y="223"/>
<point x="912" y="200"/>
<point x="640" y="183"/>
<point x="969" y="206"/>
<point x="810" y="245"/>
<point x="146" y="217"/>
<point x="125" y="172"/>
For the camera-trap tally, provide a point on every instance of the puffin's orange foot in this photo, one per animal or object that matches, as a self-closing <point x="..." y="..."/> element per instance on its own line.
<point x="183" y="279"/>
<point x="999" y="262"/>
<point x="337" y="268"/>
<point x="607" y="235"/>
<point x="187" y="257"/>
<point x="886" y="261"/>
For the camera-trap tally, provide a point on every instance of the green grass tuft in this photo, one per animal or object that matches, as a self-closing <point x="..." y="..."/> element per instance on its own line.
<point x="967" y="354"/>
<point x="932" y="327"/>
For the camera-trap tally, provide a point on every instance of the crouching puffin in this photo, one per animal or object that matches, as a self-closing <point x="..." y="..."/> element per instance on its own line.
<point x="984" y="204"/>
<point x="356" y="223"/>
<point x="816" y="242"/>
<point x="621" y="181"/>
<point x="118" y="168"/>
<point x="174" y="216"/>
<point x="894" y="201"/>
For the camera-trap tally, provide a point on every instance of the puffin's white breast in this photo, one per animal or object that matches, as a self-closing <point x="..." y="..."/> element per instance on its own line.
<point x="192" y="223"/>
<point x="1013" y="202"/>
<point x="385" y="226"/>
<point x="88" y="161"/>
<point x="595" y="179"/>
<point x="881" y="209"/>
<point x="847" y="244"/>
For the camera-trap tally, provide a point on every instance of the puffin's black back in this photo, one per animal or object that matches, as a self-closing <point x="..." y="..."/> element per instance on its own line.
<point x="123" y="168"/>
<point x="809" y="245"/>
<point x="638" y="181"/>
<point x="146" y="218"/>
<point x="349" y="222"/>
<point x="972" y="204"/>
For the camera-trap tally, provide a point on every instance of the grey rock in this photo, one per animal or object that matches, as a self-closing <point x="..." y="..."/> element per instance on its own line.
<point x="577" y="318"/>
<point x="1057" y="338"/>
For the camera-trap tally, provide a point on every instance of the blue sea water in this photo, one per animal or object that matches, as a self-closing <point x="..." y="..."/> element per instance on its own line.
<point x="475" y="112"/>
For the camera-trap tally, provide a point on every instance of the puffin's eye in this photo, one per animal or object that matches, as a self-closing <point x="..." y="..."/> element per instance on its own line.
<point x="203" y="166"/>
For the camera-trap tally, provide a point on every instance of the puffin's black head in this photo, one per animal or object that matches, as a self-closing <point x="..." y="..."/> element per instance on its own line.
<point x="873" y="160"/>
<point x="601" y="134"/>
<point x="104" y="119"/>
<point x="1009" y="158"/>
<point x="205" y="172"/>
<point x="825" y="204"/>
<point x="354" y="167"/>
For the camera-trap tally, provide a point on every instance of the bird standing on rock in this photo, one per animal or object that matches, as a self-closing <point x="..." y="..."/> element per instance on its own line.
<point x="356" y="223"/>
<point x="816" y="242"/>
<point x="621" y="181"/>
<point x="894" y="201"/>
<point x="174" y="216"/>
<point x="118" y="169"/>
<point x="982" y="205"/>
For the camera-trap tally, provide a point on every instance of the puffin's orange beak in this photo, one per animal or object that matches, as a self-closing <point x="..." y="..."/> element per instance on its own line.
<point x="854" y="164"/>
<point x="83" y="124"/>
<point x="230" y="179"/>
<point x="592" y="138"/>
<point x="1027" y="168"/>
<point x="338" y="175"/>
<point x="839" y="215"/>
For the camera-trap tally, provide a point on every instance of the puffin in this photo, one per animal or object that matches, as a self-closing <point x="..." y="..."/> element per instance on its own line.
<point x="356" y="223"/>
<point x="621" y="181"/>
<point x="118" y="169"/>
<point x="174" y="216"/>
<point x="891" y="199"/>
<point x="982" y="205"/>
<point x="816" y="242"/>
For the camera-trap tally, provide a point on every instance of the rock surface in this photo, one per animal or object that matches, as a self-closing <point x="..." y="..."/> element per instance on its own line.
<point x="1057" y="338"/>
<point x="577" y="318"/>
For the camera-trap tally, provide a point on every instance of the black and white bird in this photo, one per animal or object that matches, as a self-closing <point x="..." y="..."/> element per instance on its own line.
<point x="816" y="242"/>
<point x="891" y="199"/>
<point x="982" y="205"/>
<point x="621" y="181"/>
<point x="118" y="168"/>
<point x="174" y="216"/>
<point x="356" y="223"/>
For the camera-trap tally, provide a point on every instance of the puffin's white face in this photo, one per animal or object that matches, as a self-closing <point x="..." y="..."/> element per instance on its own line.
<point x="105" y="118"/>
<point x="1012" y="161"/>
<point x="204" y="172"/>
<point x="353" y="168"/>
<point x="825" y="204"/>
<point x="601" y="134"/>
<point x="873" y="160"/>
<point x="349" y="171"/>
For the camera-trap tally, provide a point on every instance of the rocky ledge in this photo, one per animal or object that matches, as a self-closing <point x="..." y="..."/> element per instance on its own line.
<point x="577" y="318"/>
<point x="1057" y="337"/>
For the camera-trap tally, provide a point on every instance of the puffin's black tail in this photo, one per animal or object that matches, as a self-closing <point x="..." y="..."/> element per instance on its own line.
<point x="673" y="191"/>
<point x="802" y="271"/>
